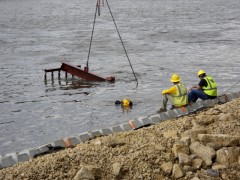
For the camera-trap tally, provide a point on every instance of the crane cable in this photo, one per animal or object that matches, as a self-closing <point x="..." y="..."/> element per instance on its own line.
<point x="95" y="15"/>
<point x="121" y="41"/>
<point x="94" y="21"/>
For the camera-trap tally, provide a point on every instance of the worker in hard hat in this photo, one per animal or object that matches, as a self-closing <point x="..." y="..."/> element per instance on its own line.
<point x="125" y="103"/>
<point x="177" y="94"/>
<point x="206" y="88"/>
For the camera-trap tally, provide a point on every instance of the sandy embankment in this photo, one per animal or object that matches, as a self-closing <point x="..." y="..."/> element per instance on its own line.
<point x="169" y="150"/>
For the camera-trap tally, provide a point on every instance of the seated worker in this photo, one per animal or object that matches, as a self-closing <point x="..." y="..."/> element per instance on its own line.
<point x="125" y="103"/>
<point x="206" y="88"/>
<point x="177" y="94"/>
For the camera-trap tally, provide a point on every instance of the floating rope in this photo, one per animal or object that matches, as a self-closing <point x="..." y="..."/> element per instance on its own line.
<point x="121" y="41"/>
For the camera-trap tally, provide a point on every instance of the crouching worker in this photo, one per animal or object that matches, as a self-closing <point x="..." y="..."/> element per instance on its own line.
<point x="206" y="88"/>
<point x="177" y="94"/>
<point x="125" y="103"/>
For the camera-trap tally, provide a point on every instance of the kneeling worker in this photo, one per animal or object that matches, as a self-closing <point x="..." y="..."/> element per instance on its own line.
<point x="177" y="94"/>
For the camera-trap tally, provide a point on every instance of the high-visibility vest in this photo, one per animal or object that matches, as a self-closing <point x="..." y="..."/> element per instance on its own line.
<point x="180" y="98"/>
<point x="211" y="88"/>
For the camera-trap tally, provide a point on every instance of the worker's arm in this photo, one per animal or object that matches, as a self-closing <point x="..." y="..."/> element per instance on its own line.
<point x="195" y="87"/>
<point x="171" y="90"/>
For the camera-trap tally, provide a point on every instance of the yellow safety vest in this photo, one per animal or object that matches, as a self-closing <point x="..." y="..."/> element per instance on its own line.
<point x="211" y="88"/>
<point x="180" y="98"/>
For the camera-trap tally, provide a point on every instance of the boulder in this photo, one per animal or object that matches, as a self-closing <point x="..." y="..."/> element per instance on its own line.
<point x="222" y="140"/>
<point x="177" y="171"/>
<point x="204" y="152"/>
<point x="180" y="148"/>
<point x="171" y="134"/>
<point x="184" y="159"/>
<point x="193" y="134"/>
<point x="167" y="167"/>
<point x="227" y="155"/>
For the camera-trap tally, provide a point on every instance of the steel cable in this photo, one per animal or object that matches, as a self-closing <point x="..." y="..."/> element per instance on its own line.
<point x="122" y="41"/>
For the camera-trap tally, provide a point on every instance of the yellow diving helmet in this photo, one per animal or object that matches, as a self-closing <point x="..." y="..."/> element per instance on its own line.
<point x="126" y="102"/>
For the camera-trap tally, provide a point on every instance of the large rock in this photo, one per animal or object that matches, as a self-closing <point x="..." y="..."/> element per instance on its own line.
<point x="226" y="117"/>
<point x="167" y="167"/>
<point x="180" y="148"/>
<point x="177" y="171"/>
<point x="170" y="134"/>
<point x="204" y="152"/>
<point x="222" y="140"/>
<point x="204" y="120"/>
<point x="184" y="159"/>
<point x="84" y="173"/>
<point x="117" y="170"/>
<point x="227" y="155"/>
<point x="193" y="133"/>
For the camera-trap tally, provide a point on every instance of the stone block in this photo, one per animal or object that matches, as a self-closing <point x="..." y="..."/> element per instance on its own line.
<point x="106" y="131"/>
<point x="135" y="123"/>
<point x="58" y="143"/>
<point x="72" y="141"/>
<point x="126" y="127"/>
<point x="145" y="120"/>
<point x="22" y="157"/>
<point x="155" y="119"/>
<point x="96" y="133"/>
<point x="172" y="114"/>
<point x="7" y="161"/>
<point x="164" y="116"/>
<point x="117" y="129"/>
<point x="222" y="99"/>
<point x="84" y="137"/>
<point x="230" y="97"/>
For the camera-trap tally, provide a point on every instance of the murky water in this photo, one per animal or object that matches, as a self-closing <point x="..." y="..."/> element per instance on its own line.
<point x="161" y="37"/>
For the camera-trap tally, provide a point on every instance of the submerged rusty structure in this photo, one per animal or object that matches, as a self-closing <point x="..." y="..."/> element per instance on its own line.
<point x="84" y="73"/>
<point x="77" y="71"/>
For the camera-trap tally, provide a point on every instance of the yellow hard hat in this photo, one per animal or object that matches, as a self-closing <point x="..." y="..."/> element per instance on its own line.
<point x="125" y="102"/>
<point x="200" y="72"/>
<point x="175" y="78"/>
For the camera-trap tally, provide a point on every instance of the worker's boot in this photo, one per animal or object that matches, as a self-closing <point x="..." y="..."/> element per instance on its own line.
<point x="161" y="110"/>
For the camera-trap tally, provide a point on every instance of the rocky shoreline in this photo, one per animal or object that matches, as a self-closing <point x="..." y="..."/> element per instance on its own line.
<point x="205" y="145"/>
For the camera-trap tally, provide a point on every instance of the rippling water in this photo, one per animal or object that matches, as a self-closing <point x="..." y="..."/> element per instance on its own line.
<point x="161" y="37"/>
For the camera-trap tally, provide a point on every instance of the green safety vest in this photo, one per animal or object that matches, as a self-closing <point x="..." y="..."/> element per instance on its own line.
<point x="211" y="88"/>
<point x="180" y="98"/>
